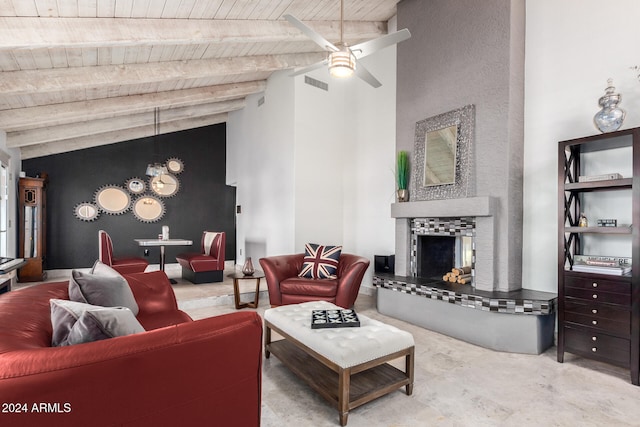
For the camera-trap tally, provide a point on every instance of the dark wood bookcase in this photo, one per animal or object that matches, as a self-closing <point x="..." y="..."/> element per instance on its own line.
<point x="599" y="314"/>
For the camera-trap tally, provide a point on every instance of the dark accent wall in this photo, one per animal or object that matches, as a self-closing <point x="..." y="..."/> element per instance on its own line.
<point x="204" y="202"/>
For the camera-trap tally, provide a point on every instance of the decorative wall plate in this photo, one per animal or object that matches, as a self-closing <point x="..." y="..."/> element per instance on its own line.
<point x="136" y="185"/>
<point x="112" y="199"/>
<point x="165" y="185"/>
<point x="148" y="208"/>
<point x="86" y="211"/>
<point x="175" y="165"/>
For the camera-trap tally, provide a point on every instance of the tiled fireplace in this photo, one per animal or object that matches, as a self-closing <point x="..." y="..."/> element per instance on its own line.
<point x="471" y="217"/>
<point x="464" y="231"/>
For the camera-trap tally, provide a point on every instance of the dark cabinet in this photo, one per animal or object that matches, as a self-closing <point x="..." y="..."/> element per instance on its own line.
<point x="598" y="299"/>
<point x="32" y="210"/>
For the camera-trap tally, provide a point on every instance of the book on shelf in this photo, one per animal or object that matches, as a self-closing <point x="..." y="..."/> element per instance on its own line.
<point x="616" y="266"/>
<point x="602" y="177"/>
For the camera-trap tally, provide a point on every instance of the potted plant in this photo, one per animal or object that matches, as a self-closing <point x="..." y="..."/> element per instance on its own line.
<point x="402" y="176"/>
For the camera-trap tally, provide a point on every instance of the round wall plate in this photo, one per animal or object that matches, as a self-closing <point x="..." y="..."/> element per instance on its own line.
<point x="148" y="208"/>
<point x="86" y="211"/>
<point x="112" y="199"/>
<point x="175" y="165"/>
<point x="136" y="185"/>
<point x="165" y="185"/>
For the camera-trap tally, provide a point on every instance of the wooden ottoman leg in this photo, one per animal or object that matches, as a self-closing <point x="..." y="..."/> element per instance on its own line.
<point x="409" y="370"/>
<point x="344" y="383"/>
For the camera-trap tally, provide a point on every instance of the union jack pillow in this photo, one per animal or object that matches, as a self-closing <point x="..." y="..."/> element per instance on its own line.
<point x="320" y="262"/>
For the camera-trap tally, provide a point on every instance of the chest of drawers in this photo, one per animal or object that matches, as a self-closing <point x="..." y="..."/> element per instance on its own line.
<point x="597" y="317"/>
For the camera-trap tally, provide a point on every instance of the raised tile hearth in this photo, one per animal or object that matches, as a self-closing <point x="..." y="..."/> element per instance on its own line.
<point x="521" y="321"/>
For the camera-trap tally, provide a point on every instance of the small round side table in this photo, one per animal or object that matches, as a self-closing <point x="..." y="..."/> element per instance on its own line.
<point x="236" y="289"/>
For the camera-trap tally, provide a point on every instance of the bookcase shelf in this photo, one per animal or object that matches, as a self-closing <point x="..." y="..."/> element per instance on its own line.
<point x="605" y="185"/>
<point x="598" y="314"/>
<point x="599" y="230"/>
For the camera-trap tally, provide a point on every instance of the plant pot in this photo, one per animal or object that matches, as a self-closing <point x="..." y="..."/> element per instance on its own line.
<point x="403" y="195"/>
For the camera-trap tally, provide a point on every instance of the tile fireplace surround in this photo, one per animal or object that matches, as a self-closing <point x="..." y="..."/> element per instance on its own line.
<point x="519" y="321"/>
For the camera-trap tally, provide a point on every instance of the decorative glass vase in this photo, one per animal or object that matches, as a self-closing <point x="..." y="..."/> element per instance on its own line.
<point x="403" y="195"/>
<point x="247" y="268"/>
<point x="610" y="117"/>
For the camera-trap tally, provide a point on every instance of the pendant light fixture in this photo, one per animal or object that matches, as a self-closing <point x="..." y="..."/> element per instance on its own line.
<point x="156" y="168"/>
<point x="342" y="63"/>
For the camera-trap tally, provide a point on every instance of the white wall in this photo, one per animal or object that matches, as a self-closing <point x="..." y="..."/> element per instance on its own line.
<point x="322" y="149"/>
<point x="260" y="162"/>
<point x="14" y="170"/>
<point x="572" y="48"/>
<point x="316" y="166"/>
<point x="369" y="228"/>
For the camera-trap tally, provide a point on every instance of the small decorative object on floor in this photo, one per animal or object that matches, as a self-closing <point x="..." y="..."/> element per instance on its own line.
<point x="247" y="268"/>
<point x="610" y="117"/>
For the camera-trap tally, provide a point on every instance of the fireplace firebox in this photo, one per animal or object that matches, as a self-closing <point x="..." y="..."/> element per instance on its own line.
<point x="440" y="244"/>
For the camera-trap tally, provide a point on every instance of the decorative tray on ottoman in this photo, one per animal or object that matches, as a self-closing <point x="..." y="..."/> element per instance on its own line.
<point x="334" y="319"/>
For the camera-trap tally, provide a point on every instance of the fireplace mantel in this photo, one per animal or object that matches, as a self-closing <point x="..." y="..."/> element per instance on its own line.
<point x="470" y="206"/>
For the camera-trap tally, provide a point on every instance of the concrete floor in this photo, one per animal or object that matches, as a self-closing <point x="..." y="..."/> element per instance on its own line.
<point x="456" y="383"/>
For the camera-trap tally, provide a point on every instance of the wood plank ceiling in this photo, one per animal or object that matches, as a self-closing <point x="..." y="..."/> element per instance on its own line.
<point x="81" y="73"/>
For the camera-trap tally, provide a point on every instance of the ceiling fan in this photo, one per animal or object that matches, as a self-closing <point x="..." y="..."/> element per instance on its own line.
<point x="342" y="59"/>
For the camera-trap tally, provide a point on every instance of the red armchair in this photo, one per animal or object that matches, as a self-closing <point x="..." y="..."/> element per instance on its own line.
<point x="124" y="265"/>
<point x="285" y="287"/>
<point x="208" y="264"/>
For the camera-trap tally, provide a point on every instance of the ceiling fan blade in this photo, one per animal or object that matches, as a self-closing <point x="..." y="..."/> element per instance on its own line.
<point x="309" y="68"/>
<point x="367" y="48"/>
<point x="365" y="75"/>
<point x="317" y="38"/>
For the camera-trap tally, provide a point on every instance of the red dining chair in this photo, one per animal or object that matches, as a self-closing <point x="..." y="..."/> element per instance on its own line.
<point x="208" y="264"/>
<point x="123" y="265"/>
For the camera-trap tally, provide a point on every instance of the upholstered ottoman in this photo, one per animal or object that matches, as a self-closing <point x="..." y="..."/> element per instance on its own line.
<point x="347" y="366"/>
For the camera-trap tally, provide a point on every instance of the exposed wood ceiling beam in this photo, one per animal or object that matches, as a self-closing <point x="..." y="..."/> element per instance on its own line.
<point x="99" y="139"/>
<point x="34" y="33"/>
<point x="26" y="82"/>
<point x="73" y="112"/>
<point x="49" y="134"/>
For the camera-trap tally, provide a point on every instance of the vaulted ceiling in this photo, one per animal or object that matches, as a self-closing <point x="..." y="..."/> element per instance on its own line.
<point x="81" y="73"/>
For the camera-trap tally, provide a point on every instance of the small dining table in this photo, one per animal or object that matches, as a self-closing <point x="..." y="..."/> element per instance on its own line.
<point x="162" y="243"/>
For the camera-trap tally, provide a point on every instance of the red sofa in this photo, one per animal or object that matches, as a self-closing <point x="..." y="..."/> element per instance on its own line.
<point x="178" y="372"/>
<point x="285" y="287"/>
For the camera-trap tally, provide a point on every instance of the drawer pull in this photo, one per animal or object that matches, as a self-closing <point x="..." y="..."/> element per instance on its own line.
<point x="594" y="349"/>
<point x="594" y="284"/>
<point x="595" y="296"/>
<point x="594" y="311"/>
<point x="594" y="322"/>
<point x="594" y="338"/>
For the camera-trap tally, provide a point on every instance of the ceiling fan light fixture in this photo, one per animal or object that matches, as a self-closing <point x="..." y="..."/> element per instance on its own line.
<point x="342" y="64"/>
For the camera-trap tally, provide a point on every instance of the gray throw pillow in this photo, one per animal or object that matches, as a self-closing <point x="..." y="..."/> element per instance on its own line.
<point x="107" y="291"/>
<point x="101" y="269"/>
<point x="77" y="323"/>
